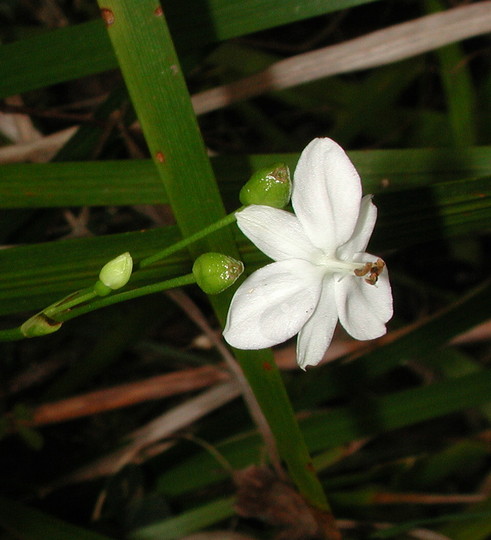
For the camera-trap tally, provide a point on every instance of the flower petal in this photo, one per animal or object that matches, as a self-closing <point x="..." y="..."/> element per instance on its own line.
<point x="363" y="308"/>
<point x="316" y="334"/>
<point x="326" y="194"/>
<point x="276" y="233"/>
<point x="363" y="230"/>
<point x="273" y="304"/>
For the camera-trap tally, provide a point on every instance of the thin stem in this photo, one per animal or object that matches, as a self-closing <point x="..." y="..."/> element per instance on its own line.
<point x="180" y="281"/>
<point x="227" y="220"/>
<point x="11" y="334"/>
<point x="69" y="302"/>
<point x="64" y="312"/>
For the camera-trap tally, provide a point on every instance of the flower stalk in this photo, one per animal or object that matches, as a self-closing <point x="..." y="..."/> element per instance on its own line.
<point x="213" y="272"/>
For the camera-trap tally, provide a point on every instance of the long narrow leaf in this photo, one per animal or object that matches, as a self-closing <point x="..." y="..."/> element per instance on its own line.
<point x="137" y="182"/>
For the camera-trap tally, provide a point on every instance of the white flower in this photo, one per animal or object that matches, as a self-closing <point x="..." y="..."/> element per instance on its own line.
<point x="321" y="272"/>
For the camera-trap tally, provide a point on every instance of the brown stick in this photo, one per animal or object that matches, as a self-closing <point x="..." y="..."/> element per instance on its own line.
<point x="188" y="380"/>
<point x="127" y="394"/>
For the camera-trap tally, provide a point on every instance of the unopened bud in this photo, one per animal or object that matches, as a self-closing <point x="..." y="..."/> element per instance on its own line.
<point x="39" y="325"/>
<point x="115" y="274"/>
<point x="215" y="272"/>
<point x="270" y="186"/>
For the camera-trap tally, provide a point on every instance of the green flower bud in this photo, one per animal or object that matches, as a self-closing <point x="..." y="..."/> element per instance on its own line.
<point x="39" y="325"/>
<point x="270" y="186"/>
<point x="215" y="272"/>
<point x="115" y="274"/>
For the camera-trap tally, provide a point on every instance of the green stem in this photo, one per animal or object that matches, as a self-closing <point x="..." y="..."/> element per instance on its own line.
<point x="79" y="297"/>
<point x="203" y="233"/>
<point x="11" y="334"/>
<point x="180" y="281"/>
<point x="65" y="312"/>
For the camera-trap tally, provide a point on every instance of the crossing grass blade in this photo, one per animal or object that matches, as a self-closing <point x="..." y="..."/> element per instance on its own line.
<point x="458" y="86"/>
<point x="98" y="183"/>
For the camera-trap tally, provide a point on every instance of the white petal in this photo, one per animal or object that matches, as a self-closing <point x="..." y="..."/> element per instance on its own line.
<point x="315" y="336"/>
<point x="326" y="194"/>
<point x="363" y="308"/>
<point x="276" y="233"/>
<point x="363" y="230"/>
<point x="273" y="304"/>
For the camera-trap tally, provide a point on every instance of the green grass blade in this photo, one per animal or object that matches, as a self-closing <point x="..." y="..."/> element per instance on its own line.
<point x="475" y="526"/>
<point x="42" y="273"/>
<point x="457" y="84"/>
<point x="435" y="332"/>
<point x="92" y="183"/>
<point x="432" y="213"/>
<point x="472" y="524"/>
<point x="369" y="417"/>
<point x="34" y="185"/>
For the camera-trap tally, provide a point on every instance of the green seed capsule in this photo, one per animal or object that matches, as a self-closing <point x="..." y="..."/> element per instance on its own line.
<point x="39" y="325"/>
<point x="270" y="186"/>
<point x="215" y="272"/>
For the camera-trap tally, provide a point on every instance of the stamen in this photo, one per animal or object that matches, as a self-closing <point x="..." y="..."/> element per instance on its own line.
<point x="373" y="269"/>
<point x="364" y="270"/>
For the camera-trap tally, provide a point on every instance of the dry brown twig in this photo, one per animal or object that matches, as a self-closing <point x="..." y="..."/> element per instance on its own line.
<point x="125" y="395"/>
<point x="141" y="441"/>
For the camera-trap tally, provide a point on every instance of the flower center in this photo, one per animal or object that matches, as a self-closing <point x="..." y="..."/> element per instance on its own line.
<point x="371" y="270"/>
